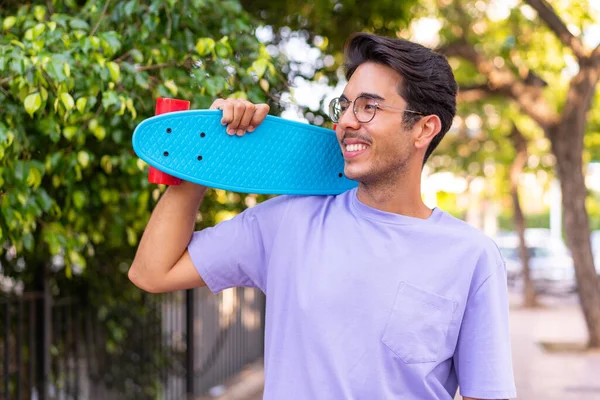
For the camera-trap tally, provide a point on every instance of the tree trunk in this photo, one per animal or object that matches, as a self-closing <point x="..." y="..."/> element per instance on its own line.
<point x="516" y="169"/>
<point x="567" y="146"/>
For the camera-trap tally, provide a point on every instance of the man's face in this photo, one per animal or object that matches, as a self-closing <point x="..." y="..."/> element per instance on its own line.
<point x="379" y="149"/>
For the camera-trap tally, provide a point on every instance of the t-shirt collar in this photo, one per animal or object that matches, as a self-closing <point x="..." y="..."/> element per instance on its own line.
<point x="388" y="217"/>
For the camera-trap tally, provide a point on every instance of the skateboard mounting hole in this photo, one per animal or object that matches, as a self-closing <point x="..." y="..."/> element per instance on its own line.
<point x="166" y="153"/>
<point x="202" y="134"/>
<point x="169" y="130"/>
<point x="199" y="158"/>
<point x="340" y="174"/>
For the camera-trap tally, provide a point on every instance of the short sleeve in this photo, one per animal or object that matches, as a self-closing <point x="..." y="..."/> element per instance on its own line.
<point x="236" y="252"/>
<point x="483" y="358"/>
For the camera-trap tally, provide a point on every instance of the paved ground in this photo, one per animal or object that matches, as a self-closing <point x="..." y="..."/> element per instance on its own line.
<point x="539" y="374"/>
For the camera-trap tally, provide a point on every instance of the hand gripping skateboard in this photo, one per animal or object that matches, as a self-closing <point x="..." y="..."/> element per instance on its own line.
<point x="279" y="157"/>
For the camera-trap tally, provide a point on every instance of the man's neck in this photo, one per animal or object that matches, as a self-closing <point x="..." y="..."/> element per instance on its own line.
<point x="401" y="195"/>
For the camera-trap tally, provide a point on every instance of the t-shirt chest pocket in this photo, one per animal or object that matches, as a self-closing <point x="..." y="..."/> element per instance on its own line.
<point x="418" y="324"/>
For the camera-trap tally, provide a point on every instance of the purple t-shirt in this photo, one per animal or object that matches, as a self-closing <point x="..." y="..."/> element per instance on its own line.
<point x="365" y="304"/>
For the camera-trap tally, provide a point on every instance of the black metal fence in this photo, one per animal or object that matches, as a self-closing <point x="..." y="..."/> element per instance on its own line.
<point x="175" y="345"/>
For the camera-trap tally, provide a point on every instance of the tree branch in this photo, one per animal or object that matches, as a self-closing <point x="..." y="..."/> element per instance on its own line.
<point x="503" y="81"/>
<point x="474" y="93"/>
<point x="157" y="66"/>
<point x="549" y="16"/>
<point x="100" y="19"/>
<point x="595" y="57"/>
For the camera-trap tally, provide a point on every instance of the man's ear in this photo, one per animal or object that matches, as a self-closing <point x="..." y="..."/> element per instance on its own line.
<point x="426" y="129"/>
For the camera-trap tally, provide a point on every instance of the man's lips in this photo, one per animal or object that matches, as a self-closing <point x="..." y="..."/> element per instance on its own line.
<point x="353" y="148"/>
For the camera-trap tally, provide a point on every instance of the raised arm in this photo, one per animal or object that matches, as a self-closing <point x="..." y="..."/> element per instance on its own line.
<point x="162" y="262"/>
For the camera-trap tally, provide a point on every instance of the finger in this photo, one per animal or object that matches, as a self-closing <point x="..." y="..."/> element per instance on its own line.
<point x="247" y="117"/>
<point x="228" y="111"/>
<point x="238" y="112"/>
<point x="259" y="116"/>
<point x="216" y="105"/>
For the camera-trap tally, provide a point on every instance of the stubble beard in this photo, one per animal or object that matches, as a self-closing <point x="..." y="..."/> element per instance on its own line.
<point x="384" y="178"/>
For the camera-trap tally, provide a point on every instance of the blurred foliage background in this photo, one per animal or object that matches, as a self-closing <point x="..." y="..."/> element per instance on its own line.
<point x="76" y="77"/>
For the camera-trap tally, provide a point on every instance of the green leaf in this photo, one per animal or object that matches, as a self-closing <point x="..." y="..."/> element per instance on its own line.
<point x="239" y="95"/>
<point x="77" y="259"/>
<point x="32" y="103"/>
<point x="80" y="104"/>
<point x="17" y="43"/>
<point x="52" y="161"/>
<point x="222" y="50"/>
<point x="54" y="135"/>
<point x="34" y="179"/>
<point x="110" y="42"/>
<point x="109" y="98"/>
<point x="106" y="163"/>
<point x="264" y="84"/>
<point x="38" y="30"/>
<point x="28" y="34"/>
<point x="70" y="131"/>
<point x="67" y="100"/>
<point x="44" y="93"/>
<point x="44" y="200"/>
<point x="39" y="12"/>
<point x="130" y="7"/>
<point x="79" y="199"/>
<point x="99" y="132"/>
<point x="131" y="108"/>
<point x="20" y="170"/>
<point x="55" y="68"/>
<point x="260" y="66"/>
<point x="79" y="24"/>
<point x="205" y="46"/>
<point x="131" y="237"/>
<point x="83" y="158"/>
<point x="95" y="42"/>
<point x="8" y="23"/>
<point x="170" y="84"/>
<point x="115" y="71"/>
<point x="28" y="241"/>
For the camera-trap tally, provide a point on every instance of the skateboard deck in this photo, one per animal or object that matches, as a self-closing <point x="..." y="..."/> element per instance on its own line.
<point x="279" y="157"/>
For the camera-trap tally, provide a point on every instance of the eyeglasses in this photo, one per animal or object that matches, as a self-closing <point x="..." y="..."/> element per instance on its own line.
<point x="364" y="109"/>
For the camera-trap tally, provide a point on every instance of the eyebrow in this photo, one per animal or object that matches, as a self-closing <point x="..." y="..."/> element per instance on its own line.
<point x="366" y="94"/>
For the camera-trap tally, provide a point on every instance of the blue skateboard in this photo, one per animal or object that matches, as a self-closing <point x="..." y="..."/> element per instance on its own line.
<point x="279" y="157"/>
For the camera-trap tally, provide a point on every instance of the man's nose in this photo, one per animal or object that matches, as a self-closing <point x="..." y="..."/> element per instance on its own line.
<point x="348" y="119"/>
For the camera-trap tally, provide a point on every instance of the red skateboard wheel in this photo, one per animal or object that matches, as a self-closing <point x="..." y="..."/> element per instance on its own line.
<point x="164" y="105"/>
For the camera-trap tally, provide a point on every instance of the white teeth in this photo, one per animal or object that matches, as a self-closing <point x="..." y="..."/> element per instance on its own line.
<point x="355" y="147"/>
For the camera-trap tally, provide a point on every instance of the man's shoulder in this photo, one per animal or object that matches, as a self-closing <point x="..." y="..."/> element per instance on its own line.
<point x="294" y="203"/>
<point x="463" y="231"/>
<point x="457" y="226"/>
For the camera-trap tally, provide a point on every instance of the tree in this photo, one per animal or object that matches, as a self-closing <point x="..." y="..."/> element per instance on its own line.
<point x="504" y="70"/>
<point x="77" y="77"/>
<point x="516" y="170"/>
<point x="334" y="21"/>
<point x="74" y="88"/>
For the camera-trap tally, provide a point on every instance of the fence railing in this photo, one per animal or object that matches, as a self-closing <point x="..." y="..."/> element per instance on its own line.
<point x="173" y="345"/>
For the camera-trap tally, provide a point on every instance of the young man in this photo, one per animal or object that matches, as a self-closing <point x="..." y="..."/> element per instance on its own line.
<point x="370" y="294"/>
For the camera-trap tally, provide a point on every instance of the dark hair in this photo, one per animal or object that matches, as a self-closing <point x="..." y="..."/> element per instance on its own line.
<point x="428" y="84"/>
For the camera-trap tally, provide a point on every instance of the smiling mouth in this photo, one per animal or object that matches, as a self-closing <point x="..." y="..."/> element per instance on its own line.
<point x="354" y="150"/>
<point x="356" y="147"/>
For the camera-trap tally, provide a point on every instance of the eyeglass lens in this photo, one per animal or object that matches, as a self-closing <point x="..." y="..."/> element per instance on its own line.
<point x="364" y="108"/>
